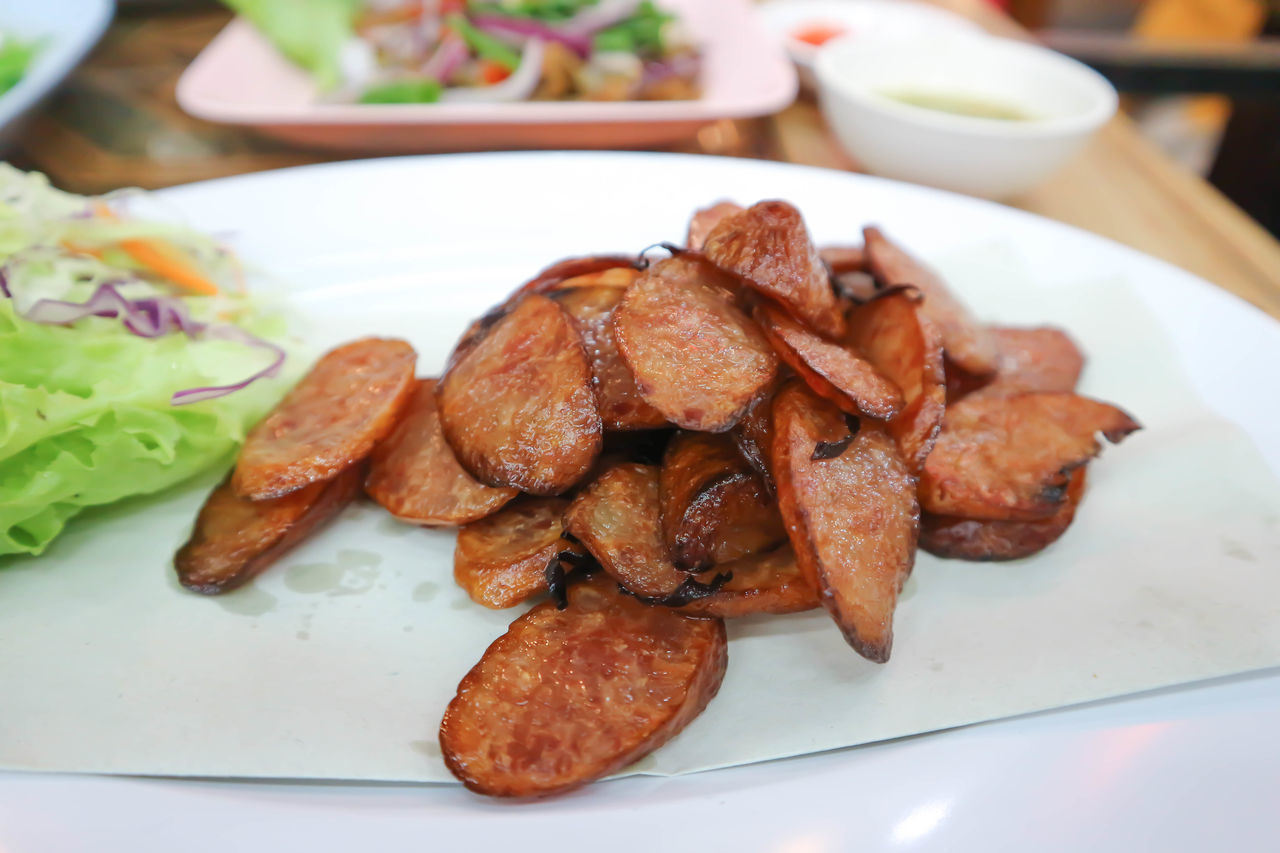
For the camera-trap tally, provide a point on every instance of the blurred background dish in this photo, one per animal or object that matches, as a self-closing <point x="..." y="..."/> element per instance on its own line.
<point x="805" y="25"/>
<point x="40" y="42"/>
<point x="986" y="116"/>
<point x="241" y="79"/>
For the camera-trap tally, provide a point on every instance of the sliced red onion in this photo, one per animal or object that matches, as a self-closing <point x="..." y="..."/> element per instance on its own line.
<point x="593" y="19"/>
<point x="519" y="30"/>
<point x="238" y="335"/>
<point x="518" y="87"/>
<point x="448" y="55"/>
<point x="684" y="65"/>
<point x="152" y="317"/>
<point x="4" y="284"/>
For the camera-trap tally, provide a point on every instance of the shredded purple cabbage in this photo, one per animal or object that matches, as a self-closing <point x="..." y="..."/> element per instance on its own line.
<point x="152" y="317"/>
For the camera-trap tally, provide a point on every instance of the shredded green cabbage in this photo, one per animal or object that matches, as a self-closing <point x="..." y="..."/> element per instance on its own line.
<point x="85" y="413"/>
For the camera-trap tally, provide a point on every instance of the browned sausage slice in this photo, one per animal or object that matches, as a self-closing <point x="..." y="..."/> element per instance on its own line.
<point x="349" y="402"/>
<point x="768" y="246"/>
<point x="570" y="269"/>
<point x="966" y="341"/>
<point x="1040" y="359"/>
<point x="696" y="358"/>
<point x="568" y="696"/>
<point x="1010" y="458"/>
<point x="975" y="539"/>
<point x="617" y="519"/>
<point x="518" y="408"/>
<point x="234" y="539"/>
<point x="621" y="405"/>
<point x="705" y="220"/>
<point x="714" y="507"/>
<point x="761" y="583"/>
<point x="753" y="434"/>
<point x="852" y="518"/>
<point x="416" y="477"/>
<point x="844" y="259"/>
<point x="502" y="560"/>
<point x="831" y="370"/>
<point x="893" y="333"/>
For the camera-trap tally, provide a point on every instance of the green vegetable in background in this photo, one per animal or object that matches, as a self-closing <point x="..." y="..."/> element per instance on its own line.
<point x="484" y="45"/>
<point x="15" y="57"/>
<point x="423" y="90"/>
<point x="309" y="32"/>
<point x="543" y="10"/>
<point x="641" y="33"/>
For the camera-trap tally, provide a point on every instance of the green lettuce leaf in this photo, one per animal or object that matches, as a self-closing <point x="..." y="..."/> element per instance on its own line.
<point x="85" y="417"/>
<point x="310" y="33"/>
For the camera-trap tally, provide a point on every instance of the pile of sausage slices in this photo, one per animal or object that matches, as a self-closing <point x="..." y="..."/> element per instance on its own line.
<point x="744" y="425"/>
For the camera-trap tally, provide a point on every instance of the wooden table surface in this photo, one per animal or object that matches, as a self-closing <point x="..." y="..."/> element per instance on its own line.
<point x="115" y="123"/>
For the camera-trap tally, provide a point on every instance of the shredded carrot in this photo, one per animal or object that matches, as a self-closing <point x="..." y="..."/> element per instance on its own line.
<point x="162" y="259"/>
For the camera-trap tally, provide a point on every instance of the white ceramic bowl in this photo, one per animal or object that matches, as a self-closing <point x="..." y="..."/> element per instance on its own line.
<point x="992" y="158"/>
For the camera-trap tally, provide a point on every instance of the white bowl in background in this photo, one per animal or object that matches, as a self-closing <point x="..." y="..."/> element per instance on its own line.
<point x="869" y="19"/>
<point x="1065" y="100"/>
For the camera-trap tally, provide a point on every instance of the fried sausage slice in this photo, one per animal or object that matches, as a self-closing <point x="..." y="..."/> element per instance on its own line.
<point x="831" y="370"/>
<point x="502" y="560"/>
<point x="768" y="246"/>
<point x="621" y="405"/>
<point x="696" y="358"/>
<point x="351" y="400"/>
<point x="565" y="697"/>
<point x="518" y="408"/>
<point x="844" y="259"/>
<point x="416" y="477"/>
<point x="1010" y="458"/>
<point x="714" y="506"/>
<point x="852" y="519"/>
<point x="966" y="341"/>
<point x="895" y="334"/>
<point x="753" y="434"/>
<point x="563" y="273"/>
<point x="1039" y="359"/>
<point x="617" y="519"/>
<point x="769" y="582"/>
<point x="235" y="539"/>
<point x="705" y="220"/>
<point x="974" y="539"/>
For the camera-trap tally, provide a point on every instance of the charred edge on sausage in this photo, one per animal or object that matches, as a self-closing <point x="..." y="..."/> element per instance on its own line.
<point x="832" y="449"/>
<point x="690" y="589"/>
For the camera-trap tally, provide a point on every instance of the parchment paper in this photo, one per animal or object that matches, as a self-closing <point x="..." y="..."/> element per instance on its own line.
<point x="339" y="661"/>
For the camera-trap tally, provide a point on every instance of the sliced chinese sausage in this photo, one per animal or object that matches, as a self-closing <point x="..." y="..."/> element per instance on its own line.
<point x="502" y="560"/>
<point x="696" y="358"/>
<point x="518" y="408"/>
<point x="416" y="477"/>
<point x="768" y="246"/>
<point x="976" y="539"/>
<point x="565" y="697"/>
<point x="831" y="370"/>
<point x="769" y="582"/>
<point x="852" y="518"/>
<point x="714" y="506"/>
<point x="619" y="278"/>
<point x="351" y="400"/>
<point x="1040" y="359"/>
<point x="894" y="334"/>
<point x="621" y="405"/>
<point x="234" y="539"/>
<point x="706" y="219"/>
<point x="844" y="259"/>
<point x="1010" y="458"/>
<point x="753" y="433"/>
<point x="573" y="271"/>
<point x="617" y="519"/>
<point x="966" y="341"/>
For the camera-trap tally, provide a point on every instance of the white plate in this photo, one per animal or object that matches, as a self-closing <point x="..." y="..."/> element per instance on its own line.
<point x="860" y="19"/>
<point x="67" y="28"/>
<point x="1190" y="768"/>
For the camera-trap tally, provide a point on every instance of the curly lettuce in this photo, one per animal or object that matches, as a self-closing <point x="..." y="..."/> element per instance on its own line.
<point x="86" y="416"/>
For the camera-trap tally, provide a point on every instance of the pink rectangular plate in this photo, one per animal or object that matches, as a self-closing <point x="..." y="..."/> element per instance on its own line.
<point x="241" y="79"/>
